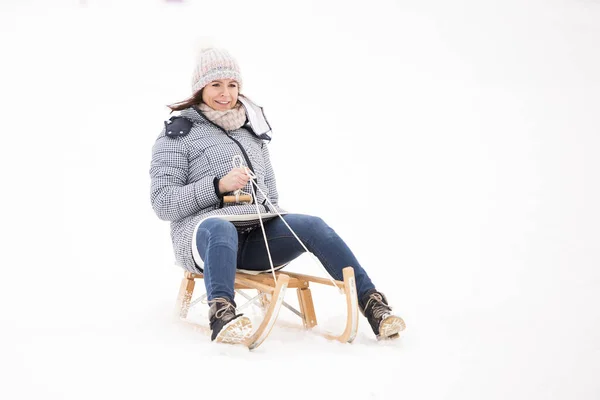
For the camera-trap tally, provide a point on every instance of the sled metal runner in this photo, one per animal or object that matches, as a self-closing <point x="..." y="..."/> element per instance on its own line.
<point x="271" y="295"/>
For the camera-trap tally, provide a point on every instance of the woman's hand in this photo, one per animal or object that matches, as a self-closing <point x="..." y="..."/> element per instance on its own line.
<point x="234" y="180"/>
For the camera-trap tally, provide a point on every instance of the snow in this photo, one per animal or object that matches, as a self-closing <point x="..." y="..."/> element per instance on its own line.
<point x="452" y="144"/>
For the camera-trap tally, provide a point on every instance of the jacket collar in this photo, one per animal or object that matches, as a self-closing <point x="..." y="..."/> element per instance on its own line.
<point x="256" y="121"/>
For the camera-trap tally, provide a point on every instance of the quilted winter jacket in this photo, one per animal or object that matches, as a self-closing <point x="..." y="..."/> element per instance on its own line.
<point x="184" y="167"/>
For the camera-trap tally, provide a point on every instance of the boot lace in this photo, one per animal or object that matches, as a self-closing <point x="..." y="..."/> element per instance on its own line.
<point x="227" y="309"/>
<point x="379" y="307"/>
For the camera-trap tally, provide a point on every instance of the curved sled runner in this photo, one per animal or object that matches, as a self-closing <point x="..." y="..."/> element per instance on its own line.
<point x="271" y="296"/>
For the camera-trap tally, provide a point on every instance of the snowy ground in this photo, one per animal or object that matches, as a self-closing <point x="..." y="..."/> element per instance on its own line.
<point x="454" y="145"/>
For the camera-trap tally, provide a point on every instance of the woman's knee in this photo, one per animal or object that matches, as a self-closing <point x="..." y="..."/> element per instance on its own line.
<point x="218" y="230"/>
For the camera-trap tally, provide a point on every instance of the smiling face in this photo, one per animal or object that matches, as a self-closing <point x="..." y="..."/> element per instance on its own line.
<point x="221" y="94"/>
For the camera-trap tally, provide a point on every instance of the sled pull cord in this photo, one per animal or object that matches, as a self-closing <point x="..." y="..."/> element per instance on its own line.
<point x="239" y="163"/>
<point x="253" y="180"/>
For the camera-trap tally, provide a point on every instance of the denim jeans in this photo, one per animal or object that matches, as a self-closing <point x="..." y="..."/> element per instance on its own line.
<point x="223" y="249"/>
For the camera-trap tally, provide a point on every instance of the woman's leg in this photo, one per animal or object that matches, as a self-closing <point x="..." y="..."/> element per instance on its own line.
<point x="217" y="243"/>
<point x="316" y="235"/>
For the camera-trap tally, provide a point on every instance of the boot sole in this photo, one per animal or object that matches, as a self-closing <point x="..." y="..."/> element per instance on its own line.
<point x="390" y="328"/>
<point x="237" y="331"/>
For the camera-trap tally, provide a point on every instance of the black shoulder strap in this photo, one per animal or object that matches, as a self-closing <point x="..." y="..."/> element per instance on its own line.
<point x="178" y="126"/>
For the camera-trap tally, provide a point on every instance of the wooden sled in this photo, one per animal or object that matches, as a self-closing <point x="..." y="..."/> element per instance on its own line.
<point x="271" y="295"/>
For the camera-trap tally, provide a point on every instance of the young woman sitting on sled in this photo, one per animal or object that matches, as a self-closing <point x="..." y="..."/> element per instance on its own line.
<point x="193" y="168"/>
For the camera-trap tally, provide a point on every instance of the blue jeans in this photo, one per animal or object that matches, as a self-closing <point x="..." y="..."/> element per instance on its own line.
<point x="223" y="250"/>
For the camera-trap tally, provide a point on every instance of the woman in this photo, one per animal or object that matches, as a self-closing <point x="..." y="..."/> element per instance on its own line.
<point x="192" y="171"/>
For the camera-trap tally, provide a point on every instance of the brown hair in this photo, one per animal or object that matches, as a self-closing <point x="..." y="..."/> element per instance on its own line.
<point x="187" y="103"/>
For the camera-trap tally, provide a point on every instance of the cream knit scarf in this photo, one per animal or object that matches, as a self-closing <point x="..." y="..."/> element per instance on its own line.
<point x="229" y="119"/>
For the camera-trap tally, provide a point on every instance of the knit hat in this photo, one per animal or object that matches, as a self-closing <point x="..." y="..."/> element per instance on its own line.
<point x="214" y="64"/>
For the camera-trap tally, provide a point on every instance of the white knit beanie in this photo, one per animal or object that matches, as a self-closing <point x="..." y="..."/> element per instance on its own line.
<point x="214" y="64"/>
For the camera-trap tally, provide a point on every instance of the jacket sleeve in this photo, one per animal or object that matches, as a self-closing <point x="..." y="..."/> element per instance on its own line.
<point x="172" y="196"/>
<point x="270" y="176"/>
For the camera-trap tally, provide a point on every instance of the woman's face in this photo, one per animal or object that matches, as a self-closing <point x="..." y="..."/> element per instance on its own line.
<point x="221" y="95"/>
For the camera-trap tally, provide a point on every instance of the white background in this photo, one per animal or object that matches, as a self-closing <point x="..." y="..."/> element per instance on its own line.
<point x="453" y="145"/>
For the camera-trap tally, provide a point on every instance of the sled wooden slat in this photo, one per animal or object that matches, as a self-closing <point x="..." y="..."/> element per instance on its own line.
<point x="268" y="321"/>
<point x="255" y="285"/>
<point x="267" y="279"/>
<point x="185" y="295"/>
<point x="315" y="279"/>
<point x="352" y="307"/>
<point x="264" y="278"/>
<point x="307" y="308"/>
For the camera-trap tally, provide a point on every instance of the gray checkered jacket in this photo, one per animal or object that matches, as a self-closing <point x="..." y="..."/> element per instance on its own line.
<point x="182" y="172"/>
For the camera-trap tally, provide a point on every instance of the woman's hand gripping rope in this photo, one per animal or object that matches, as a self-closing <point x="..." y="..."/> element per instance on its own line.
<point x="235" y="180"/>
<point x="239" y="177"/>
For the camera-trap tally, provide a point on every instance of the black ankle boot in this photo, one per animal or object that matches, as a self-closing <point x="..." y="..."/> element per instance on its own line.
<point x="225" y="324"/>
<point x="375" y="308"/>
